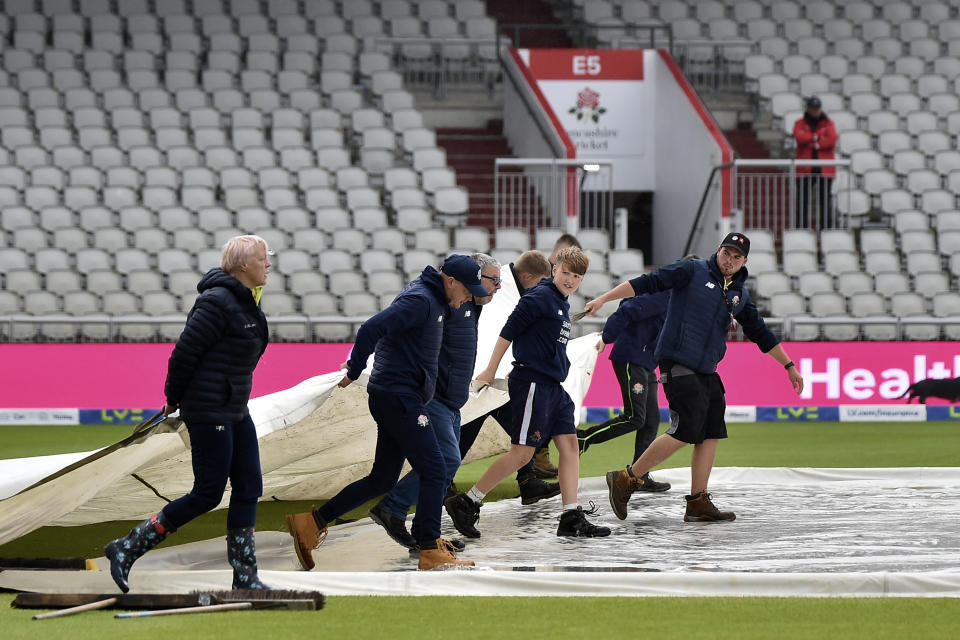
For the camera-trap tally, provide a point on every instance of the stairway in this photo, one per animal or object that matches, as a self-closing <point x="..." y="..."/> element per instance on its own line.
<point x="535" y="12"/>
<point x="747" y="144"/>
<point x="471" y="153"/>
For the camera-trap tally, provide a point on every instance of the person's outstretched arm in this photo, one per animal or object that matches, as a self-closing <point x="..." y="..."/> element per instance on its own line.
<point x="499" y="349"/>
<point x="622" y="290"/>
<point x="673" y="275"/>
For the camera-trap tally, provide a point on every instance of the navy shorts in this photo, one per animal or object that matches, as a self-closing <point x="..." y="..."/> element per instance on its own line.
<point x="540" y="410"/>
<point x="697" y="407"/>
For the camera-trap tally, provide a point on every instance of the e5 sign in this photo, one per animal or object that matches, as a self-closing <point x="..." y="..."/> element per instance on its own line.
<point x="586" y="65"/>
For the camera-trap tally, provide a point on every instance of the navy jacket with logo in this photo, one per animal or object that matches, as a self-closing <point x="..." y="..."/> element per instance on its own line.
<point x="458" y="355"/>
<point x="694" y="333"/>
<point x="539" y="328"/>
<point x="406" y="336"/>
<point x="210" y="372"/>
<point x="634" y="328"/>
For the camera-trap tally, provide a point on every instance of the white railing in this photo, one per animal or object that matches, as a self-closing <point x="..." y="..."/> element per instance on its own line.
<point x="771" y="194"/>
<point x="113" y="324"/>
<point x="436" y="63"/>
<point x="551" y="192"/>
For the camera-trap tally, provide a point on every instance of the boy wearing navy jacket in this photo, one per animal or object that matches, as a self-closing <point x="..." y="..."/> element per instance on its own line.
<point x="539" y="329"/>
<point x="633" y="329"/>
<point x="407" y="336"/>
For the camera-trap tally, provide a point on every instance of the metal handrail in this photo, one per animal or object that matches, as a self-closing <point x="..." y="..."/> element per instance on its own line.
<point x="787" y="323"/>
<point x="583" y="29"/>
<point x="703" y="202"/>
<point x="523" y="90"/>
<point x="790" y="165"/>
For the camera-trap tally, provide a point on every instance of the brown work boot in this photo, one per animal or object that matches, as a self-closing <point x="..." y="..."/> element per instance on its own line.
<point x="621" y="485"/>
<point x="307" y="536"/>
<point x="542" y="467"/>
<point x="701" y="509"/>
<point x="440" y="555"/>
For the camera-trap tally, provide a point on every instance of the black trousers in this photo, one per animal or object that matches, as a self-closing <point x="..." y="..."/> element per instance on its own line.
<point x="641" y="413"/>
<point x="403" y="432"/>
<point x="815" y="189"/>
<point x="504" y="417"/>
<point x="221" y="452"/>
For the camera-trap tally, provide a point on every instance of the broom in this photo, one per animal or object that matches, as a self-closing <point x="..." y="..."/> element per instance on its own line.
<point x="279" y="599"/>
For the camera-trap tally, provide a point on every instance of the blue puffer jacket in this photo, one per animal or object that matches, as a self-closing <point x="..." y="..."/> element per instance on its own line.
<point x="539" y="328"/>
<point x="458" y="355"/>
<point x="634" y="328"/>
<point x="407" y="337"/>
<point x="698" y="316"/>
<point x="210" y="372"/>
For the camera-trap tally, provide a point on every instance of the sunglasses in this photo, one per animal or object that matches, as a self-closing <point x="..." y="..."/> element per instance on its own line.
<point x="494" y="279"/>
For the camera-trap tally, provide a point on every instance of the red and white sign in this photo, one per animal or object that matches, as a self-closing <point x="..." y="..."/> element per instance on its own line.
<point x="597" y="96"/>
<point x="588" y="64"/>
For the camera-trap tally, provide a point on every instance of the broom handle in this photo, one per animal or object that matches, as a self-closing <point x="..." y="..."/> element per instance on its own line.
<point x="90" y="606"/>
<point x="231" y="606"/>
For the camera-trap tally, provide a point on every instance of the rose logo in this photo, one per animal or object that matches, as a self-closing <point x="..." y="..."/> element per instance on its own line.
<point x="638" y="388"/>
<point x="423" y="420"/>
<point x="588" y="105"/>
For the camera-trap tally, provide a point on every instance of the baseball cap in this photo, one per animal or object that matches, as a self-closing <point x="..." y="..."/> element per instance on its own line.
<point x="737" y="241"/>
<point x="467" y="271"/>
<point x="813" y="102"/>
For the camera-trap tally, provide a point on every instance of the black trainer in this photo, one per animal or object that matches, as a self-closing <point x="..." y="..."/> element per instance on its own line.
<point x="533" y="489"/>
<point x="651" y="485"/>
<point x="574" y="523"/>
<point x="394" y="526"/>
<point x="465" y="513"/>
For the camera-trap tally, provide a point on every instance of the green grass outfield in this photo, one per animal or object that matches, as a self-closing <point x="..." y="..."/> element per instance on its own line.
<point x="427" y="618"/>
<point x="796" y="444"/>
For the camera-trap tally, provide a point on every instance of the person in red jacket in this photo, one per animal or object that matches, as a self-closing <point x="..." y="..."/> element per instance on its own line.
<point x="816" y="137"/>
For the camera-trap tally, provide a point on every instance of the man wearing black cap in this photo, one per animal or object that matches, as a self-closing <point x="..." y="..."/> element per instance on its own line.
<point x="407" y="337"/>
<point x="704" y="296"/>
<point x="816" y="137"/>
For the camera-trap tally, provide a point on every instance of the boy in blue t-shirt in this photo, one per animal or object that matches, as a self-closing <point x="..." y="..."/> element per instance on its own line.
<point x="539" y="329"/>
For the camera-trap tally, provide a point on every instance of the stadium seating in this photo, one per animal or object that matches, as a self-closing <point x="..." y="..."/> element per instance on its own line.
<point x="136" y="137"/>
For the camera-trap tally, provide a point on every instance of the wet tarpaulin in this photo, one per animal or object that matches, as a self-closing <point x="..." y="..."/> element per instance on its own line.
<point x="798" y="532"/>
<point x="315" y="438"/>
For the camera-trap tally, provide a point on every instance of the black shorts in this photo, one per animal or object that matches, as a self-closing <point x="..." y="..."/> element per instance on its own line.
<point x="697" y="407"/>
<point x="540" y="410"/>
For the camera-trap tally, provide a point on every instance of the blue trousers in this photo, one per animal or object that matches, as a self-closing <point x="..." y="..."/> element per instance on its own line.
<point x="220" y="452"/>
<point x="403" y="432"/>
<point x="446" y="424"/>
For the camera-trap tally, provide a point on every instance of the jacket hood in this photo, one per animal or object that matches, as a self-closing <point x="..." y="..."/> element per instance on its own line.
<point x="434" y="281"/>
<point x="217" y="277"/>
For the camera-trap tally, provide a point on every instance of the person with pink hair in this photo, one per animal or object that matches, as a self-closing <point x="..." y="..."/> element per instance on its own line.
<point x="209" y="378"/>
